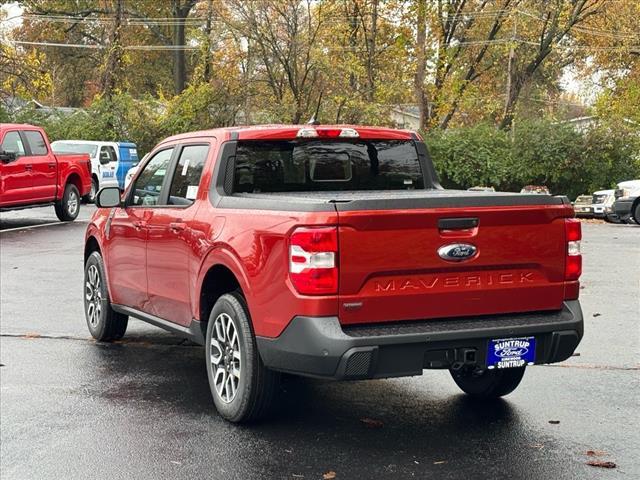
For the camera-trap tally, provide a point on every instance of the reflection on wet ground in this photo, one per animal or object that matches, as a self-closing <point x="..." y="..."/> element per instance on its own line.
<point x="153" y="399"/>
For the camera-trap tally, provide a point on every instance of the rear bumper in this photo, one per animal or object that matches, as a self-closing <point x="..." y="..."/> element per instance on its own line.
<point x="321" y="347"/>
<point x="584" y="212"/>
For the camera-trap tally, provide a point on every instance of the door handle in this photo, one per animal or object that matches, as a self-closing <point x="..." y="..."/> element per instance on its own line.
<point x="28" y="167"/>
<point x="52" y="165"/>
<point x="177" y="226"/>
<point x="457" y="223"/>
<point x="139" y="224"/>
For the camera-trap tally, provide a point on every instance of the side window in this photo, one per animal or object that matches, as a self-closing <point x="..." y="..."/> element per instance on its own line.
<point x="112" y="154"/>
<point x="36" y="143"/>
<point x="186" y="179"/>
<point x="148" y="185"/>
<point x="13" y="143"/>
<point x="107" y="155"/>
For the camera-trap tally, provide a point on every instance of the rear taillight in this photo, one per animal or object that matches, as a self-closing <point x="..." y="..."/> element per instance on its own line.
<point x="313" y="260"/>
<point x="573" y="234"/>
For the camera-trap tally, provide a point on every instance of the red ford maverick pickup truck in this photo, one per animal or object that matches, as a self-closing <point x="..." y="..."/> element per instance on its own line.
<point x="32" y="176"/>
<point x="332" y="252"/>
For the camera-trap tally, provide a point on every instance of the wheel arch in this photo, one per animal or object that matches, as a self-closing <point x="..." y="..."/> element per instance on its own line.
<point x="220" y="273"/>
<point x="74" y="179"/>
<point x="91" y="245"/>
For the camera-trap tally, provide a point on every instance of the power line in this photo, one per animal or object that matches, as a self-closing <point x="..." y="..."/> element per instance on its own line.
<point x="99" y="47"/>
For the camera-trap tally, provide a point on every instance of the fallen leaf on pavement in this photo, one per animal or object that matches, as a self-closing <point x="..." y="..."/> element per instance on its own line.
<point x="554" y="422"/>
<point x="371" y="422"/>
<point x="31" y="335"/>
<point x="596" y="453"/>
<point x="597" y="314"/>
<point x="537" y="445"/>
<point x="329" y="475"/>
<point x="598" y="463"/>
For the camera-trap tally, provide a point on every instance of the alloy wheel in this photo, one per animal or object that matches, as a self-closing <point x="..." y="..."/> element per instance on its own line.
<point x="72" y="203"/>
<point x="225" y="357"/>
<point x="93" y="296"/>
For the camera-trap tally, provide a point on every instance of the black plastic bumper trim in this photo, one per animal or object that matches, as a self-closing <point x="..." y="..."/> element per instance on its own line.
<point x="321" y="347"/>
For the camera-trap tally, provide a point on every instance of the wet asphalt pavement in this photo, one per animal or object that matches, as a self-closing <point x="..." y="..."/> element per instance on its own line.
<point x="141" y="408"/>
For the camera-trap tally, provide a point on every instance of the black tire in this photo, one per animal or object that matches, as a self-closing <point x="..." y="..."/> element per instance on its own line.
<point x="255" y="385"/>
<point x="91" y="196"/>
<point x="105" y="325"/>
<point x="490" y="384"/>
<point x="68" y="208"/>
<point x="636" y="212"/>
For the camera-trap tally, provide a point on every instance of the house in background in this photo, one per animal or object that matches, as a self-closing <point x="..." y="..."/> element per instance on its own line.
<point x="406" y="116"/>
<point x="584" y="124"/>
<point x="12" y="105"/>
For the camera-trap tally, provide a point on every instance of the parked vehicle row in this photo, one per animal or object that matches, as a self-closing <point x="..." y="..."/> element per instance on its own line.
<point x="619" y="205"/>
<point x="31" y="175"/>
<point x="332" y="252"/>
<point x="110" y="161"/>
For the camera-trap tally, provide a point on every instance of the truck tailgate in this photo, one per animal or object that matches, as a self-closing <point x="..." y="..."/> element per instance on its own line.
<point x="390" y="268"/>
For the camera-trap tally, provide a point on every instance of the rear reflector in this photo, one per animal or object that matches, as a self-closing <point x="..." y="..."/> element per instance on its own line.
<point x="313" y="264"/>
<point x="573" y="261"/>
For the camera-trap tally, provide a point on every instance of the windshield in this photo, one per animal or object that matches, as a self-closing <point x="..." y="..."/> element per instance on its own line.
<point x="304" y="166"/>
<point x="66" y="147"/>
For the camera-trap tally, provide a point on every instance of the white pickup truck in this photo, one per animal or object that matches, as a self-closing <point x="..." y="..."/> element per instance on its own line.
<point x="104" y="161"/>
<point x="627" y="204"/>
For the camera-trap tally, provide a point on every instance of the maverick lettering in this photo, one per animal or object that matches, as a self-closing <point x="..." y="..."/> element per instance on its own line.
<point x="428" y="283"/>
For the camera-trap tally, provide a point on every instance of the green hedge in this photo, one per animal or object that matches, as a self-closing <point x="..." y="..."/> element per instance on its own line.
<point x="537" y="153"/>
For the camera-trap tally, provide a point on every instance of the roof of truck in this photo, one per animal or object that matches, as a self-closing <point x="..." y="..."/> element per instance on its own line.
<point x="22" y="126"/>
<point x="290" y="132"/>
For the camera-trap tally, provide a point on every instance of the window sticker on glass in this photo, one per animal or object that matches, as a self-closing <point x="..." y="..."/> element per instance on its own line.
<point x="408" y="181"/>
<point x="185" y="167"/>
<point x="192" y="192"/>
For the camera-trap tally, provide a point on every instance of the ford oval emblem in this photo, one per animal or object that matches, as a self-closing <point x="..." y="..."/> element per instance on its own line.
<point x="457" y="252"/>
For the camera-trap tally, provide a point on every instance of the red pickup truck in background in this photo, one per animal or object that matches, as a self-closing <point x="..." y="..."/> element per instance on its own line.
<point x="32" y="176"/>
<point x="332" y="252"/>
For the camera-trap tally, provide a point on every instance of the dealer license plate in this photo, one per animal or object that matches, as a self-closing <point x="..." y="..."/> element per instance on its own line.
<point x="511" y="352"/>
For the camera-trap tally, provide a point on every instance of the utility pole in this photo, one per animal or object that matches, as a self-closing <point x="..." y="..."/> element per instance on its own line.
<point x="510" y="67"/>
<point x="208" y="43"/>
<point x="113" y="63"/>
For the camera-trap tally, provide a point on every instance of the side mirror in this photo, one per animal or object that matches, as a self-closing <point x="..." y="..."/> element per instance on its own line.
<point x="7" y="157"/>
<point x="105" y="158"/>
<point x="108" y="197"/>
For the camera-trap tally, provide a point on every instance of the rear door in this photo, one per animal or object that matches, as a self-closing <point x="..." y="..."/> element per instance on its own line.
<point x="44" y="166"/>
<point x="16" y="177"/>
<point x="391" y="267"/>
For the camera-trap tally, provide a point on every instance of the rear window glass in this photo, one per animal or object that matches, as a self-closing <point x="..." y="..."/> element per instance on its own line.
<point x="299" y="166"/>
<point x="64" y="147"/>
<point x="36" y="143"/>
